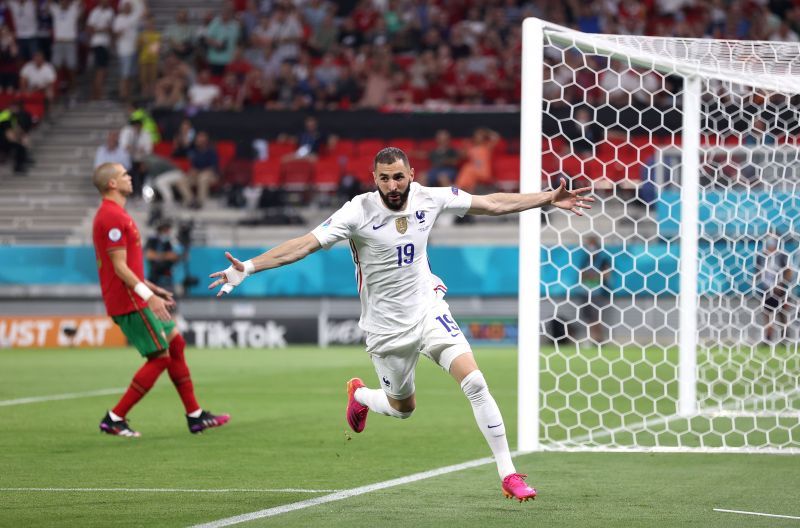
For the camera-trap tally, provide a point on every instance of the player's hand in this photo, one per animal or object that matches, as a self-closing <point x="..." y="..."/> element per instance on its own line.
<point x="159" y="307"/>
<point x="230" y="277"/>
<point x="169" y="301"/>
<point x="572" y="200"/>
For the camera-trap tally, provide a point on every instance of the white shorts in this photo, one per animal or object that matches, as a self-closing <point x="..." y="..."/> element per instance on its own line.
<point x="395" y="356"/>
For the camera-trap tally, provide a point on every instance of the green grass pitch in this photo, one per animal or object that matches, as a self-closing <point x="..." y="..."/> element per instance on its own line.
<point x="288" y="431"/>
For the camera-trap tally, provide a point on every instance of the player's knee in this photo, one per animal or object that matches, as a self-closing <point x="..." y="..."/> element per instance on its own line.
<point x="402" y="414"/>
<point x="402" y="409"/>
<point x="474" y="386"/>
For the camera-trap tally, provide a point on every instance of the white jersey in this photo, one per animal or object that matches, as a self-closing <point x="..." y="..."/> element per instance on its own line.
<point x="390" y="252"/>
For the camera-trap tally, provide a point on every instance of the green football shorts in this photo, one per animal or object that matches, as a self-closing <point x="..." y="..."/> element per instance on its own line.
<point x="145" y="331"/>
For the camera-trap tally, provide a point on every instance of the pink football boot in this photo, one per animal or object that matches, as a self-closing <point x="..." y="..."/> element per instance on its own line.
<point x="356" y="413"/>
<point x="514" y="487"/>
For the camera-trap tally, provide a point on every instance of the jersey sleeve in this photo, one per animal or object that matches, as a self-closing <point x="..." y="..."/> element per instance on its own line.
<point x="451" y="200"/>
<point x="338" y="227"/>
<point x="113" y="233"/>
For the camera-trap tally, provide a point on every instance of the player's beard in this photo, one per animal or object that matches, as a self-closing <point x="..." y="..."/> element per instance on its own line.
<point x="397" y="205"/>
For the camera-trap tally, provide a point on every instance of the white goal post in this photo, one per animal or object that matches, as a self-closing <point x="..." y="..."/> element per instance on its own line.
<point x="685" y="337"/>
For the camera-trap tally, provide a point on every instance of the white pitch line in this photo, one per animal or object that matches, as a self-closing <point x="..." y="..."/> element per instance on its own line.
<point x="757" y="513"/>
<point x="171" y="490"/>
<point x="58" y="397"/>
<point x="345" y="494"/>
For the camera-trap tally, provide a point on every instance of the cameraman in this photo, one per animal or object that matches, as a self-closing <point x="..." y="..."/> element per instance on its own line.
<point x="161" y="257"/>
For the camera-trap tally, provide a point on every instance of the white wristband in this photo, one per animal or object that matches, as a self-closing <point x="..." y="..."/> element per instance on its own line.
<point x="249" y="267"/>
<point x="143" y="291"/>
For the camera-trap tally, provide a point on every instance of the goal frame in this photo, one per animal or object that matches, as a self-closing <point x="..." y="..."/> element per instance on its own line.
<point x="530" y="234"/>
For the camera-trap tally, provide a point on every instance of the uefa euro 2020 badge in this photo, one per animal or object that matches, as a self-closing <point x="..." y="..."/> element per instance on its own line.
<point x="401" y="224"/>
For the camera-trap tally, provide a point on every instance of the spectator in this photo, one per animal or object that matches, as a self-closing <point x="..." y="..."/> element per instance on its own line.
<point x="203" y="171"/>
<point x="349" y="36"/>
<point x="595" y="292"/>
<point x="349" y="87"/>
<point x="9" y="61"/>
<point x="161" y="256"/>
<point x="204" y="94"/>
<point x="149" y="50"/>
<point x="256" y="91"/>
<point x="249" y="18"/>
<point x="444" y="160"/>
<point x="66" y="14"/>
<point x="773" y="280"/>
<point x="99" y="25"/>
<point x="26" y="26"/>
<point x="38" y="75"/>
<point x="221" y="37"/>
<point x="13" y="137"/>
<point x="112" y="152"/>
<point x="285" y="32"/>
<point x="183" y="142"/>
<point x="179" y="37"/>
<point x="477" y="169"/>
<point x="328" y="72"/>
<point x="238" y="65"/>
<point x="138" y="143"/>
<point x="170" y="89"/>
<point x="314" y="13"/>
<point x="148" y="123"/>
<point x="165" y="176"/>
<point x="325" y="36"/>
<point x="288" y="96"/>
<point x="377" y="88"/>
<point x="126" y="33"/>
<point x="309" y="142"/>
<point x="230" y="91"/>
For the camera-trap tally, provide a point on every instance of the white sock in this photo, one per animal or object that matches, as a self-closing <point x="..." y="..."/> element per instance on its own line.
<point x="489" y="420"/>
<point x="195" y="414"/>
<point x="377" y="401"/>
<point x="115" y="417"/>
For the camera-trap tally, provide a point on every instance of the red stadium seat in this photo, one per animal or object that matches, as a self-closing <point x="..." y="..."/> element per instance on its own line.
<point x="182" y="163"/>
<point x="419" y="163"/>
<point x="226" y="151"/>
<point x="267" y="173"/>
<point x="297" y="175"/>
<point x="278" y="149"/>
<point x="407" y="145"/>
<point x="426" y="145"/>
<point x="342" y="147"/>
<point x="361" y="168"/>
<point x="327" y="173"/>
<point x="370" y="147"/>
<point x="505" y="169"/>
<point x="501" y="147"/>
<point x="163" y="148"/>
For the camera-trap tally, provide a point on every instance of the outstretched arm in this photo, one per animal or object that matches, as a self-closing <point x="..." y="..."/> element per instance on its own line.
<point x="505" y="203"/>
<point x="281" y="255"/>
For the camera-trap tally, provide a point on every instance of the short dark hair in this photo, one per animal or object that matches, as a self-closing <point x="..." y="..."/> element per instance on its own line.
<point x="390" y="155"/>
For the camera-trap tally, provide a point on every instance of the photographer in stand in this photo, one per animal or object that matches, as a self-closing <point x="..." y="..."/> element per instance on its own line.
<point x="161" y="256"/>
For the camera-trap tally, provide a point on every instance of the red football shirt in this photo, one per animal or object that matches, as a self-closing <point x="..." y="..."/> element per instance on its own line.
<point x="114" y="229"/>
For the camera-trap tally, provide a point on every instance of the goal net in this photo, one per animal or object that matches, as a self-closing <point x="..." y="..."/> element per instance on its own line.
<point x="667" y="317"/>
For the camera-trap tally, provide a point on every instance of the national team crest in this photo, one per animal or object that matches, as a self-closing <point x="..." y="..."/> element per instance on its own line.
<point x="401" y="224"/>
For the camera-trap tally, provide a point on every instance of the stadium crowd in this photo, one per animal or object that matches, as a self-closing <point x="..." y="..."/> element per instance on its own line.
<point x="313" y="55"/>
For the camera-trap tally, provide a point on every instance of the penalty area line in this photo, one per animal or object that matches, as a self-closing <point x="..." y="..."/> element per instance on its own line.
<point x="346" y="494"/>
<point x="774" y="515"/>
<point x="59" y="397"/>
<point x="170" y="490"/>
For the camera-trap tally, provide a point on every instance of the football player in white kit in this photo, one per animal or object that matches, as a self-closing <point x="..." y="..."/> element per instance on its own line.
<point x="403" y="311"/>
